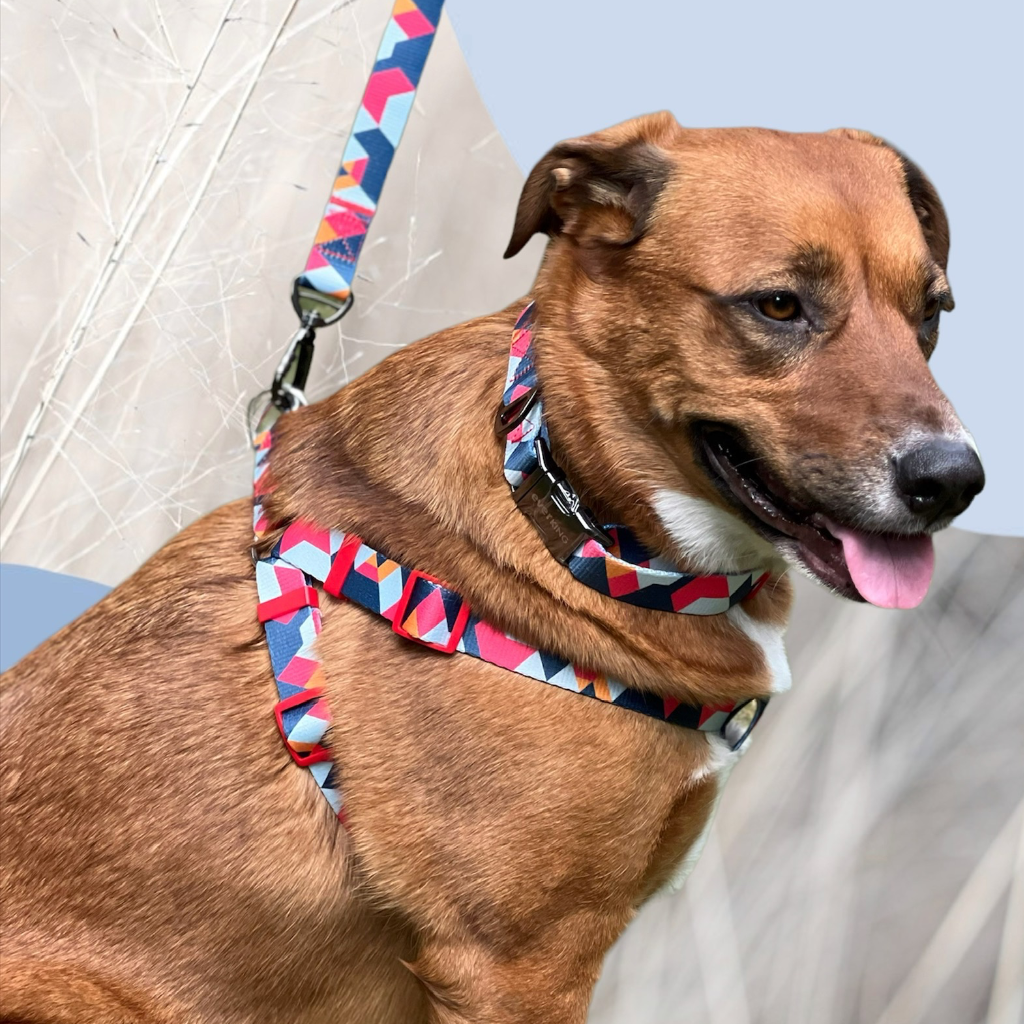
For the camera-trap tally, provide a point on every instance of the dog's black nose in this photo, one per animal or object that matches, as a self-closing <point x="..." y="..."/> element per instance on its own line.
<point x="939" y="478"/>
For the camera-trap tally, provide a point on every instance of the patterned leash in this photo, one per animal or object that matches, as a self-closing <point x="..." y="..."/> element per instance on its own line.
<point x="322" y="293"/>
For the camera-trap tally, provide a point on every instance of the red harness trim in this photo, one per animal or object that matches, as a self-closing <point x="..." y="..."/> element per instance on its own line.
<point x="399" y="622"/>
<point x="342" y="564"/>
<point x="276" y="607"/>
<point x="316" y="753"/>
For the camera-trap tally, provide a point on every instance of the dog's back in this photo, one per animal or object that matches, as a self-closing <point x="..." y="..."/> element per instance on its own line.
<point x="152" y="832"/>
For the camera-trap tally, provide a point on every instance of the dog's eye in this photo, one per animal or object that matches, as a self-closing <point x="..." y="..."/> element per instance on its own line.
<point x="931" y="310"/>
<point x="779" y="306"/>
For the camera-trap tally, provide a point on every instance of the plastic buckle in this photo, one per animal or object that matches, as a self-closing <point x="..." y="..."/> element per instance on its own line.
<point x="458" y="628"/>
<point x="318" y="753"/>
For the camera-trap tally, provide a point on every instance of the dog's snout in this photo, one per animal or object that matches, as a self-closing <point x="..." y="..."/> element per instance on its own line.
<point x="939" y="478"/>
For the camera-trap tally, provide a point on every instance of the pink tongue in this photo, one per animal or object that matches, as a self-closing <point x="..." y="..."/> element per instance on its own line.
<point x="890" y="571"/>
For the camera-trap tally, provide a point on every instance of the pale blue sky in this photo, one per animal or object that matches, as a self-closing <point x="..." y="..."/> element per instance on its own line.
<point x="942" y="81"/>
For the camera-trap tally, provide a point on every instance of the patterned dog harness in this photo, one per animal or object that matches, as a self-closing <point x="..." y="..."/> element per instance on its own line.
<point x="423" y="609"/>
<point x="419" y="607"/>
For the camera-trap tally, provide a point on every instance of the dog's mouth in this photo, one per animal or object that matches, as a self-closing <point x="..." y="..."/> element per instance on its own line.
<point x="890" y="570"/>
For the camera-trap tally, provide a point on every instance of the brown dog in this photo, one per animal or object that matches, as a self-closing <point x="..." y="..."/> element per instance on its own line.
<point x="733" y="330"/>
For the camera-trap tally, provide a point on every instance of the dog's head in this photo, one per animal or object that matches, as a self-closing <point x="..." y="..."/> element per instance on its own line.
<point x="770" y="301"/>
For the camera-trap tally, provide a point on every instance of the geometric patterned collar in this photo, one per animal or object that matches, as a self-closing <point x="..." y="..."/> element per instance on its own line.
<point x="610" y="559"/>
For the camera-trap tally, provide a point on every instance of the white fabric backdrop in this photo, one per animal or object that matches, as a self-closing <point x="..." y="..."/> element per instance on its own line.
<point x="165" y="166"/>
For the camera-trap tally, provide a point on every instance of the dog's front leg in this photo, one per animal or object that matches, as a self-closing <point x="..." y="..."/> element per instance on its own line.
<point x="518" y="977"/>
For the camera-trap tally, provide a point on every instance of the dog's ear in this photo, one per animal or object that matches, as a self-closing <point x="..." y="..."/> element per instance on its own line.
<point x="598" y="189"/>
<point x="931" y="214"/>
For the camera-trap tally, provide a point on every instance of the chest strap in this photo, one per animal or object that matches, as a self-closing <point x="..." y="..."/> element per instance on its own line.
<point x="420" y="609"/>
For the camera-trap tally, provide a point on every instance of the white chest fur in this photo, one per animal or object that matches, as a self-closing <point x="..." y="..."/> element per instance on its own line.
<point x="769" y="639"/>
<point x="709" y="538"/>
<point x="712" y="540"/>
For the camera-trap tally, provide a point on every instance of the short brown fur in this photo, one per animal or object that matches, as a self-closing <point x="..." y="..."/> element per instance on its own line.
<point x="163" y="859"/>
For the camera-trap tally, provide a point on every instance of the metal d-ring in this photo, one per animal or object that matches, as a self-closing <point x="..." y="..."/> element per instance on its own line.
<point x="510" y="416"/>
<point x="315" y="309"/>
<point x="740" y="723"/>
<point x="287" y="391"/>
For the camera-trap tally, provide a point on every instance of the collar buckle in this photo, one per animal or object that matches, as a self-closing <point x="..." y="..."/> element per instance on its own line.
<point x="549" y="501"/>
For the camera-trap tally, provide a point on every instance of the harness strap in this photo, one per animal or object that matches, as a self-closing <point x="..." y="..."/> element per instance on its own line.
<point x="422" y="609"/>
<point x="322" y="294"/>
